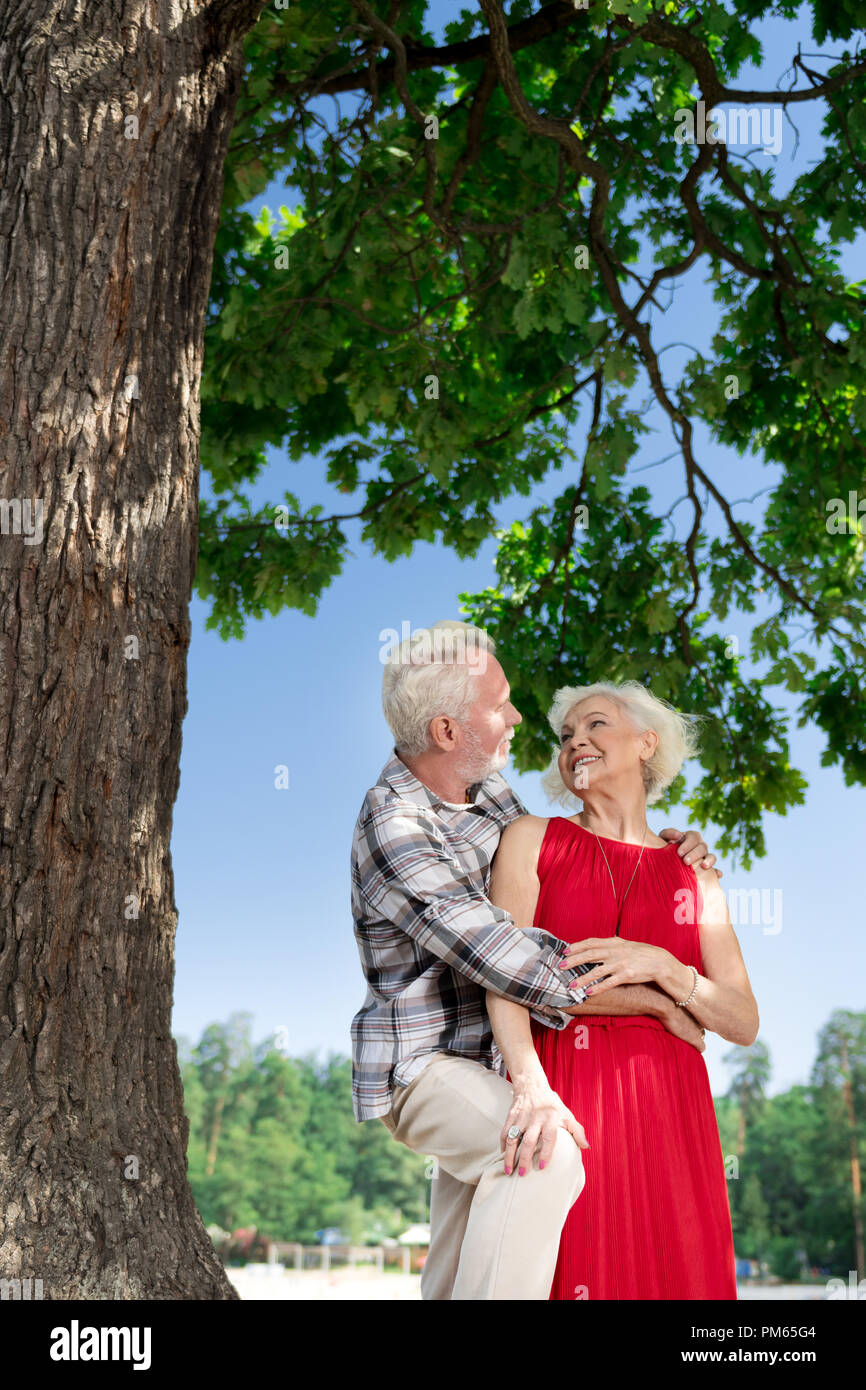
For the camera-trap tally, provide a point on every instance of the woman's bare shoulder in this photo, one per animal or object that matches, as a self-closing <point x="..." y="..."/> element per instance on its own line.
<point x="715" y="902"/>
<point x="707" y="878"/>
<point x="524" y="835"/>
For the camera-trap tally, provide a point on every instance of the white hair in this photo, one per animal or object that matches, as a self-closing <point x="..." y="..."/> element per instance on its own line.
<point x="430" y="674"/>
<point x="677" y="734"/>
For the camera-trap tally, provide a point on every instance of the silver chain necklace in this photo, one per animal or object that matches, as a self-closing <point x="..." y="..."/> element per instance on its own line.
<point x="619" y="905"/>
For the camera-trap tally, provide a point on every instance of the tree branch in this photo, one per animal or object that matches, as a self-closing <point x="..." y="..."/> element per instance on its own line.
<point x="418" y="56"/>
<point x="663" y="34"/>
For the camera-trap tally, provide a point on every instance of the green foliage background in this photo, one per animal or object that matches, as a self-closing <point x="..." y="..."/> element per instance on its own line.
<point x="421" y="326"/>
<point x="290" y="1158"/>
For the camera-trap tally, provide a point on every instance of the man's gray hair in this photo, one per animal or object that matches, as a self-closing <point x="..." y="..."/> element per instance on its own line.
<point x="430" y="674"/>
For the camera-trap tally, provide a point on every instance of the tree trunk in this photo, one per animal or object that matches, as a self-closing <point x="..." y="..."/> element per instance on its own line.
<point x="114" y="123"/>
<point x="856" y="1188"/>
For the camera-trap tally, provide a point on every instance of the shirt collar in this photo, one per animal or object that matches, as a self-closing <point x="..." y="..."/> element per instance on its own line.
<point x="405" y="783"/>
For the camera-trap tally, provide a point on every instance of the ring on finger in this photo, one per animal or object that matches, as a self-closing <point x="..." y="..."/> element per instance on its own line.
<point x="514" y="1132"/>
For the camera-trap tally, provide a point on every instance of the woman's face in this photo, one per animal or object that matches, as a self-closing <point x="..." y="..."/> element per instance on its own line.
<point x="598" y="745"/>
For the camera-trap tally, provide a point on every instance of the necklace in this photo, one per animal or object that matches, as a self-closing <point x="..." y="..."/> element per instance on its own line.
<point x="620" y="905"/>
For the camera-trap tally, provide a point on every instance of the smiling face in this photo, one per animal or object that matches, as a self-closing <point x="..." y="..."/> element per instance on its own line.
<point x="600" y="746"/>
<point x="486" y="735"/>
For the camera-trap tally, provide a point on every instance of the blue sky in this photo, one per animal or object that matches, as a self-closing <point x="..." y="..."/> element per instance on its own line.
<point x="261" y="874"/>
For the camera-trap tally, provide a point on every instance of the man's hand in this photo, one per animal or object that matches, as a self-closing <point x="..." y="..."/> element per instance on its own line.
<point x="692" y="849"/>
<point x="539" y="1114"/>
<point x="680" y="1023"/>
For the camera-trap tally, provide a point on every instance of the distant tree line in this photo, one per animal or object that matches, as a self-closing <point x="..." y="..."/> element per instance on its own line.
<point x="273" y="1143"/>
<point x="797" y="1202"/>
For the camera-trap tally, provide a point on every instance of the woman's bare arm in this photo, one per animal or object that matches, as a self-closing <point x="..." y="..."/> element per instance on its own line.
<point x="514" y="886"/>
<point x="536" y="1110"/>
<point x="723" y="1000"/>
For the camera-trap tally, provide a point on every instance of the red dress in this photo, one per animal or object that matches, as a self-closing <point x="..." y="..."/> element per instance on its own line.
<point x="653" y="1220"/>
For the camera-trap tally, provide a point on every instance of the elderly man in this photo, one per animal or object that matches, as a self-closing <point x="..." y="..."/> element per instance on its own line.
<point x="424" y="1058"/>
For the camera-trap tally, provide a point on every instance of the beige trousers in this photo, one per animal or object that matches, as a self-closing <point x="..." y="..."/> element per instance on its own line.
<point x="492" y="1235"/>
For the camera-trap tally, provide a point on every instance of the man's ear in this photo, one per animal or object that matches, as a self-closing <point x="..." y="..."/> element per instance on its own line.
<point x="442" y="733"/>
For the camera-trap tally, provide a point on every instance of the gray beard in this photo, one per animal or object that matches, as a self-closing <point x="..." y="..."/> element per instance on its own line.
<point x="476" y="765"/>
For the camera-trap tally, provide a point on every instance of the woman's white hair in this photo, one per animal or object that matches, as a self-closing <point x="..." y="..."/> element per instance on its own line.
<point x="429" y="674"/>
<point x="677" y="734"/>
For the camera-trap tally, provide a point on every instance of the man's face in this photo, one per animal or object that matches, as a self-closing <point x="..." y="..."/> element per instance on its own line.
<point x="487" y="733"/>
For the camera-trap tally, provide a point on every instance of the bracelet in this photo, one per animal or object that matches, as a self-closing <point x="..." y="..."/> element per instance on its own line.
<point x="682" y="1003"/>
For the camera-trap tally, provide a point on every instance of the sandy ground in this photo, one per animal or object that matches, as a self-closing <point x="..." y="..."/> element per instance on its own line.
<point x="350" y="1284"/>
<point x="361" y="1284"/>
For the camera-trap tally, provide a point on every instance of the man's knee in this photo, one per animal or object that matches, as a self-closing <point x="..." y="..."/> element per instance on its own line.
<point x="456" y="1107"/>
<point x="566" y="1162"/>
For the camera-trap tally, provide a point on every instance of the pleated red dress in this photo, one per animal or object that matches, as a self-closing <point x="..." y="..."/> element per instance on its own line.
<point x="653" y="1220"/>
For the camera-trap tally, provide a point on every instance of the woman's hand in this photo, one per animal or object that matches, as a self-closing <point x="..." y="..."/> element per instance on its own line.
<point x="539" y="1114"/>
<point x="618" y="962"/>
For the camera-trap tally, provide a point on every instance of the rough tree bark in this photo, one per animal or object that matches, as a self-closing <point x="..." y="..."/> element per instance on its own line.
<point x="106" y="243"/>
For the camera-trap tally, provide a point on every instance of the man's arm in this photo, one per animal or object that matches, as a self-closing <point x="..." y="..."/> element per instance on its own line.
<point x="646" y="999"/>
<point x="510" y="1021"/>
<point x="409" y="877"/>
<point x="628" y="999"/>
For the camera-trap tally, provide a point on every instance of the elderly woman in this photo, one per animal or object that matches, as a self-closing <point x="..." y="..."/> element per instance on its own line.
<point x="653" y="1222"/>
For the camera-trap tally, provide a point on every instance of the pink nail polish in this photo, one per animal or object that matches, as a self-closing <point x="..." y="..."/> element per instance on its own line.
<point x="522" y="1171"/>
<point x="508" y="1170"/>
<point x="541" y="1165"/>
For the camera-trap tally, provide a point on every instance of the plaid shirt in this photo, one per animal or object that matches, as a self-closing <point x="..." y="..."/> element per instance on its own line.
<point x="430" y="941"/>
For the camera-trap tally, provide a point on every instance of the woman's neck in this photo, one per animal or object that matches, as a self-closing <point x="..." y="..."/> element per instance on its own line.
<point x="617" y="819"/>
